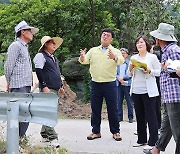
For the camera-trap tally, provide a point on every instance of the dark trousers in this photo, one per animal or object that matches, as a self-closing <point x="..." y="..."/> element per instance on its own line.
<point x="23" y="126"/>
<point x="107" y="90"/>
<point x="123" y="91"/>
<point x="46" y="131"/>
<point x="145" y="109"/>
<point x="158" y="104"/>
<point x="158" y="110"/>
<point x="170" y="127"/>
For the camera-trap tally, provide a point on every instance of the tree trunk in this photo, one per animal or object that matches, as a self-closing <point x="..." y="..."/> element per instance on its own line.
<point x="93" y="22"/>
<point x="128" y="4"/>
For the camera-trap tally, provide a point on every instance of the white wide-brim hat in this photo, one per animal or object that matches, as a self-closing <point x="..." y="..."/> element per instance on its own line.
<point x="164" y="32"/>
<point x="57" y="40"/>
<point x="23" y="25"/>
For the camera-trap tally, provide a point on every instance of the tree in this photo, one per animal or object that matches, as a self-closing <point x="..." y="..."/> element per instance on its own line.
<point x="73" y="20"/>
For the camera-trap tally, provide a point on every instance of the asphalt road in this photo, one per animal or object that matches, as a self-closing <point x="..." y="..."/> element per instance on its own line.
<point x="72" y="136"/>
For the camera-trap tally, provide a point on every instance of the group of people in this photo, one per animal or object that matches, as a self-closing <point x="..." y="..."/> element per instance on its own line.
<point x="114" y="76"/>
<point x="18" y="72"/>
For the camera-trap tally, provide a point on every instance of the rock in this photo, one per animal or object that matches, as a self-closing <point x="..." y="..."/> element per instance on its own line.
<point x="34" y="88"/>
<point x="73" y="70"/>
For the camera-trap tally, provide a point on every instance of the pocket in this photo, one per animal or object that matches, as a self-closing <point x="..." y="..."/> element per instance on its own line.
<point x="174" y="83"/>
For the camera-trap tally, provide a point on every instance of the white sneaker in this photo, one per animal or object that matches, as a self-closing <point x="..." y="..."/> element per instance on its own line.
<point x="44" y="140"/>
<point x="54" y="143"/>
<point x="138" y="145"/>
<point x="147" y="147"/>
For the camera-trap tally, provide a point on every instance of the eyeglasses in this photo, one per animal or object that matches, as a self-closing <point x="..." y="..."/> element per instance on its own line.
<point x="27" y="30"/>
<point x="106" y="34"/>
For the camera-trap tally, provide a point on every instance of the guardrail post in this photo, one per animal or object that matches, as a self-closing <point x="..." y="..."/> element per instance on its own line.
<point x="12" y="145"/>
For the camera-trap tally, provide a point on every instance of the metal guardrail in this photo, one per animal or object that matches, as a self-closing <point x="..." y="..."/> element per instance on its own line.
<point x="40" y="108"/>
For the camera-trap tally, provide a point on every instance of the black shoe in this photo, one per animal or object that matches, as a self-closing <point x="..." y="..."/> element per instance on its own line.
<point x="120" y="120"/>
<point x="131" y="121"/>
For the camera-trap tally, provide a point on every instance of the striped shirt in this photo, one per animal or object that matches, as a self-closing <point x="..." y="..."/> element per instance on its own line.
<point x="170" y="87"/>
<point x="18" y="67"/>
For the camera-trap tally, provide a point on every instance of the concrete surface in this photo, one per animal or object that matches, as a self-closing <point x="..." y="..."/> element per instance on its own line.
<point x="72" y="136"/>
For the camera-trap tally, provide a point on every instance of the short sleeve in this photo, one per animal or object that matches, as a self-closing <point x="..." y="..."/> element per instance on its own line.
<point x="39" y="61"/>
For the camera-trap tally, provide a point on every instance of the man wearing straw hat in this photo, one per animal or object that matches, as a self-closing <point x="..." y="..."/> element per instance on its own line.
<point x="48" y="73"/>
<point x="18" y="67"/>
<point x="170" y="89"/>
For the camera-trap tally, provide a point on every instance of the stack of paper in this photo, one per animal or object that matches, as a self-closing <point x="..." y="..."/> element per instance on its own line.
<point x="173" y="65"/>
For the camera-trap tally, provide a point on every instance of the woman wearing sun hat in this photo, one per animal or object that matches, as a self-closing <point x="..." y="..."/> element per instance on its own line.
<point x="48" y="73"/>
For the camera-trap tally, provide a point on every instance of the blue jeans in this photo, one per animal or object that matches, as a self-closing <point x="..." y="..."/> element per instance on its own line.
<point x="123" y="91"/>
<point x="108" y="91"/>
<point x="23" y="126"/>
<point x="170" y="127"/>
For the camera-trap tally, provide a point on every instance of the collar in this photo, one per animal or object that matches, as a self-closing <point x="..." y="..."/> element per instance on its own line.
<point x="109" y="47"/>
<point x="166" y="46"/>
<point x="22" y="42"/>
<point x="49" y="54"/>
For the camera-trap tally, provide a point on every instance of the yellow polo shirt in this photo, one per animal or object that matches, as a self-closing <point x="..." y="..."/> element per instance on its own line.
<point x="102" y="68"/>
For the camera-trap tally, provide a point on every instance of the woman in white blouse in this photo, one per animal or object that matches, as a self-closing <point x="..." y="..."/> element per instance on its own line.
<point x="144" y="91"/>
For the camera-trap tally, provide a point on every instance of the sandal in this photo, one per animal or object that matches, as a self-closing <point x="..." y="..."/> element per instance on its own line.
<point x="117" y="137"/>
<point x="93" y="136"/>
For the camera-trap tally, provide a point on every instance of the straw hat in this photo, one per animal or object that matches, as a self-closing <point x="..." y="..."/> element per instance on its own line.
<point x="57" y="40"/>
<point x="164" y="32"/>
<point x="23" y="25"/>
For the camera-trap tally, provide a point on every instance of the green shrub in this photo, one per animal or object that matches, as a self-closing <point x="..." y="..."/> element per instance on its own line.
<point x="2" y="146"/>
<point x="86" y="91"/>
<point x="2" y="58"/>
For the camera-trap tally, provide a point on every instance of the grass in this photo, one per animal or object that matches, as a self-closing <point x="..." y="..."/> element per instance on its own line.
<point x="33" y="150"/>
<point x="2" y="146"/>
<point x="45" y="150"/>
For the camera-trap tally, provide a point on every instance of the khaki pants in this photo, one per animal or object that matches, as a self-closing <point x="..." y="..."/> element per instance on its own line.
<point x="49" y="132"/>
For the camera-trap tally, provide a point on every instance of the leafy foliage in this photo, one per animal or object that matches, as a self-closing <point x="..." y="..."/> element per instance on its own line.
<point x="70" y="20"/>
<point x="2" y="64"/>
<point x="79" y="22"/>
<point x="87" y="79"/>
<point x="73" y="21"/>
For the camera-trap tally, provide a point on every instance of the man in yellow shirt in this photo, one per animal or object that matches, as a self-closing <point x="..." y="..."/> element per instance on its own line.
<point x="103" y="62"/>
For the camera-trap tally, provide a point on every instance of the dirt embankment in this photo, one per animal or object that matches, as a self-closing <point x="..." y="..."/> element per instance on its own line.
<point x="68" y="106"/>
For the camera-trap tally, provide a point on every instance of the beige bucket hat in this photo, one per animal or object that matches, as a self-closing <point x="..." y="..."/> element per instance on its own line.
<point x="164" y="32"/>
<point x="58" y="41"/>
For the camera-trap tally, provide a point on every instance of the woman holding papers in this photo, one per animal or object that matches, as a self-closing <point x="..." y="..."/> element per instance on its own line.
<point x="143" y="69"/>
